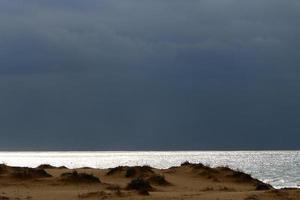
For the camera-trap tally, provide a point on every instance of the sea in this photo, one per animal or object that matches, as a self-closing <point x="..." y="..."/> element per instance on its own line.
<point x="278" y="168"/>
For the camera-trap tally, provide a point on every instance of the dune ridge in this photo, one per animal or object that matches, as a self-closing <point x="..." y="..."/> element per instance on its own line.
<point x="188" y="181"/>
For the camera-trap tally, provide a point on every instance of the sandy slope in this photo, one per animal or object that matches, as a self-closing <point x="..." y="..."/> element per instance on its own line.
<point x="189" y="181"/>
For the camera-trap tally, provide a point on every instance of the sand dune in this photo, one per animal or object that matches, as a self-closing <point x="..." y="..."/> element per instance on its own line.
<point x="188" y="181"/>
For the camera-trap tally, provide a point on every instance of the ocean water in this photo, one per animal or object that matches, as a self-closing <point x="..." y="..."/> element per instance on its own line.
<point x="279" y="168"/>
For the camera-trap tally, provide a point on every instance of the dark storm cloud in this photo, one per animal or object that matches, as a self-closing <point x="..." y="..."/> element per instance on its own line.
<point x="139" y="74"/>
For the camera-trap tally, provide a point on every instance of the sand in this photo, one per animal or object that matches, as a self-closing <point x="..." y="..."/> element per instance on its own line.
<point x="188" y="181"/>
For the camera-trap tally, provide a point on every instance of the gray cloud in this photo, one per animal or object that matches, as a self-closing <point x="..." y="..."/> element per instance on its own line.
<point x="143" y="74"/>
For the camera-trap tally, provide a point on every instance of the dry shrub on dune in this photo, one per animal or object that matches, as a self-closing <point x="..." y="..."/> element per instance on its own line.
<point x="75" y="177"/>
<point x="142" y="171"/>
<point x="242" y="177"/>
<point x="46" y="166"/>
<point x="23" y="172"/>
<point x="28" y="173"/>
<point x="263" y="186"/>
<point x="140" y="185"/>
<point x="115" y="170"/>
<point x="130" y="172"/>
<point x="3" y="168"/>
<point x="158" y="180"/>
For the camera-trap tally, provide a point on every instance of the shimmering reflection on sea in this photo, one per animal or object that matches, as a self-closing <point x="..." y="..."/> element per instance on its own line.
<point x="279" y="168"/>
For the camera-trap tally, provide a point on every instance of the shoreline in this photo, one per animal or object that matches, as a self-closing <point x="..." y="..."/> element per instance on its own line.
<point x="254" y="163"/>
<point x="187" y="181"/>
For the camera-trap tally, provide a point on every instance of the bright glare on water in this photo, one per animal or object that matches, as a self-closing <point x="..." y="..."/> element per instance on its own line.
<point x="279" y="168"/>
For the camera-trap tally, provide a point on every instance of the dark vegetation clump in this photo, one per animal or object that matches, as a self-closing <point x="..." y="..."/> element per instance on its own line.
<point x="116" y="170"/>
<point x="140" y="185"/>
<point x="3" y="168"/>
<point x="186" y="163"/>
<point x="28" y="173"/>
<point x="46" y="166"/>
<point x="241" y="176"/>
<point x="246" y="178"/>
<point x="129" y="172"/>
<point x="138" y="171"/>
<point x="225" y="169"/>
<point x="194" y="165"/>
<point x="210" y="173"/>
<point x="23" y="172"/>
<point x="143" y="192"/>
<point x="158" y="180"/>
<point x="203" y="170"/>
<point x="4" y="197"/>
<point x="263" y="186"/>
<point x="75" y="177"/>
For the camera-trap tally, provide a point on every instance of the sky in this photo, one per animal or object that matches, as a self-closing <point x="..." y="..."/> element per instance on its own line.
<point x="149" y="75"/>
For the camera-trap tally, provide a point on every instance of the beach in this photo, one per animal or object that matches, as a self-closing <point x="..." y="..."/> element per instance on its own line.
<point x="187" y="181"/>
<point x="149" y="100"/>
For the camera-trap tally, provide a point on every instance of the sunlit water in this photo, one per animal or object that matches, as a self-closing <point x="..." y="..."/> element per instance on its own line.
<point x="279" y="168"/>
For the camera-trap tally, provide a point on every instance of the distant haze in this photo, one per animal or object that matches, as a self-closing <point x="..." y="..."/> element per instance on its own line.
<point x="149" y="74"/>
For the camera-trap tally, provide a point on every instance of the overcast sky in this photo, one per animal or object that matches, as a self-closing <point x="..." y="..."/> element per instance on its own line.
<point x="149" y="74"/>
